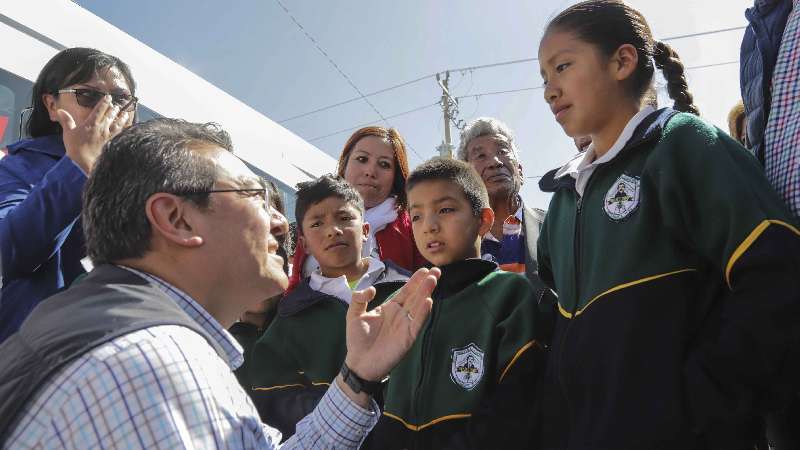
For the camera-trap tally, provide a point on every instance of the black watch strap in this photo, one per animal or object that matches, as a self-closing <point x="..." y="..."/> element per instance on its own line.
<point x="358" y="384"/>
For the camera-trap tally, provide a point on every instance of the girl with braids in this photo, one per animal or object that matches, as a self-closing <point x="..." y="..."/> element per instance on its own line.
<point x="675" y="263"/>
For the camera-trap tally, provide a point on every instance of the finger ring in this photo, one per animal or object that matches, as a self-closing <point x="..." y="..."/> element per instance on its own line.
<point x="409" y="316"/>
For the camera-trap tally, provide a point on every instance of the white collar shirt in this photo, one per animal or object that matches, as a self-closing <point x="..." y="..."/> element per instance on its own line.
<point x="339" y="288"/>
<point x="583" y="165"/>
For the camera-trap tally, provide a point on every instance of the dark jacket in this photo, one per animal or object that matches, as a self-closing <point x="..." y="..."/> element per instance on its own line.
<point x="41" y="241"/>
<point x="678" y="295"/>
<point x="759" y="53"/>
<point x="470" y="377"/>
<point x="110" y="302"/>
<point x="294" y="361"/>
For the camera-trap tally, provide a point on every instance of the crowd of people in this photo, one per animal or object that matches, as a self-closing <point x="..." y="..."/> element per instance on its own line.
<point x="148" y="300"/>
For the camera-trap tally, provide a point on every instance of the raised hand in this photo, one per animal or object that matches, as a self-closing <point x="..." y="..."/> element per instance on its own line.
<point x="378" y="339"/>
<point x="84" y="141"/>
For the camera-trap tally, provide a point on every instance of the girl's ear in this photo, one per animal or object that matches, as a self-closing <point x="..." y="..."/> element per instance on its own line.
<point x="624" y="62"/>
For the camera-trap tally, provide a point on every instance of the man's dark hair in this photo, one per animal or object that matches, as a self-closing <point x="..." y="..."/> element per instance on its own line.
<point x="454" y="171"/>
<point x="151" y="157"/>
<point x="69" y="66"/>
<point x="310" y="193"/>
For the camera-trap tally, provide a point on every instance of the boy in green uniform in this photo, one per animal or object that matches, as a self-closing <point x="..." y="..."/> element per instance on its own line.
<point x="468" y="381"/>
<point x="304" y="347"/>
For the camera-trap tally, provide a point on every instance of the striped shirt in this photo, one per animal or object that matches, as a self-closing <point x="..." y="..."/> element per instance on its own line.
<point x="165" y="387"/>
<point x="782" y="135"/>
<point x="508" y="251"/>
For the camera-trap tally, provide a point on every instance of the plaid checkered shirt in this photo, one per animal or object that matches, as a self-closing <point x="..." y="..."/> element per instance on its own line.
<point x="165" y="387"/>
<point x="782" y="136"/>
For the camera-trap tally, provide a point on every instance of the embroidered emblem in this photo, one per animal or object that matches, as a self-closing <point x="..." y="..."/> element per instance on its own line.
<point x="623" y="197"/>
<point x="466" y="369"/>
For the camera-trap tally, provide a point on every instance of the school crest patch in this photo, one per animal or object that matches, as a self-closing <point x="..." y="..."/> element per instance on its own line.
<point x="623" y="197"/>
<point x="466" y="369"/>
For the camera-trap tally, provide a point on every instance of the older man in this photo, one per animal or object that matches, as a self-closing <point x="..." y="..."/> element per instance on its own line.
<point x="487" y="144"/>
<point x="137" y="354"/>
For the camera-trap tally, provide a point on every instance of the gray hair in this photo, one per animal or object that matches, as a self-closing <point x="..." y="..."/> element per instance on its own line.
<point x="486" y="126"/>
<point x="151" y="157"/>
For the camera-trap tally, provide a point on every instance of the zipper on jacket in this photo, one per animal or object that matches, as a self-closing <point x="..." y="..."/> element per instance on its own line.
<point x="576" y="249"/>
<point x="427" y="338"/>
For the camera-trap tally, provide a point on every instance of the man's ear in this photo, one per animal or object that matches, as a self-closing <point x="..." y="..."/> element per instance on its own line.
<point x="624" y="62"/>
<point x="365" y="229"/>
<point x="49" y="101"/>
<point x="487" y="220"/>
<point x="172" y="220"/>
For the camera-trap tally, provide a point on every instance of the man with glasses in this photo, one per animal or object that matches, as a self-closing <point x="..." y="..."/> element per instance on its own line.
<point x="137" y="354"/>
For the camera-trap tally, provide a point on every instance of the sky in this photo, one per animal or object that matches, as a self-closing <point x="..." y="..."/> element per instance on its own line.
<point x="289" y="57"/>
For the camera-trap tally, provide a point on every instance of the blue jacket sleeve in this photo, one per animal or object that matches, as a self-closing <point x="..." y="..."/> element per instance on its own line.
<point x="35" y="220"/>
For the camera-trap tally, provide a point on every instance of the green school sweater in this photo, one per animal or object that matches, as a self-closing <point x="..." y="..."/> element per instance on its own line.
<point x="468" y="380"/>
<point x="301" y="352"/>
<point x="678" y="296"/>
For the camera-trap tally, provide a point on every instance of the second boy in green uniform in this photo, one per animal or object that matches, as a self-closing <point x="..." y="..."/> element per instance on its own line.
<point x="469" y="379"/>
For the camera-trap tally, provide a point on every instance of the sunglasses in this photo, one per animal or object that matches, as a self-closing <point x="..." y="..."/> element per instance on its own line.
<point x="88" y="98"/>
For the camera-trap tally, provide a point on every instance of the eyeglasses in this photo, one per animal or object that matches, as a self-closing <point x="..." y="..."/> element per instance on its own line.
<point x="89" y="97"/>
<point x="263" y="193"/>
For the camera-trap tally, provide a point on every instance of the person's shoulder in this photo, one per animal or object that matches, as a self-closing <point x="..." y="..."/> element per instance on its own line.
<point x="503" y="282"/>
<point x="688" y="138"/>
<point x="300" y="300"/>
<point x="689" y="126"/>
<point x="153" y="342"/>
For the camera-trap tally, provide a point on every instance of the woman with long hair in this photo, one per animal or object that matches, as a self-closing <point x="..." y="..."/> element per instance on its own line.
<point x="81" y="99"/>
<point x="374" y="161"/>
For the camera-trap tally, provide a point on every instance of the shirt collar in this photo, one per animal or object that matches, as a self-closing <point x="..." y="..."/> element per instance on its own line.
<point x="517" y="215"/>
<point x="587" y="159"/>
<point x="339" y="288"/>
<point x="49" y="145"/>
<point x="210" y="325"/>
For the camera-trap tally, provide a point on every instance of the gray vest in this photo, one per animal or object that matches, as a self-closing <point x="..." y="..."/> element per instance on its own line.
<point x="110" y="302"/>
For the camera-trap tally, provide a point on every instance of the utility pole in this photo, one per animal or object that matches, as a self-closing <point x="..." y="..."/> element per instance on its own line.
<point x="446" y="149"/>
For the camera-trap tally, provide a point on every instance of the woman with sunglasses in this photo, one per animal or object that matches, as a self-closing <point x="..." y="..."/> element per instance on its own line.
<point x="81" y="99"/>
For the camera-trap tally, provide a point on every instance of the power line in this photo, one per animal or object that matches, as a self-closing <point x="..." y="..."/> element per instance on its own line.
<point x="511" y="91"/>
<point x="330" y="60"/>
<point x="703" y="33"/>
<point x="470" y="69"/>
<point x="370" y="94"/>
<point x="483" y="94"/>
<point x="705" y="66"/>
<point x="370" y="123"/>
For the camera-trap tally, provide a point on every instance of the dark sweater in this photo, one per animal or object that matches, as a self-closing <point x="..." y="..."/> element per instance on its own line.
<point x="678" y="295"/>
<point x="302" y="350"/>
<point x="468" y="380"/>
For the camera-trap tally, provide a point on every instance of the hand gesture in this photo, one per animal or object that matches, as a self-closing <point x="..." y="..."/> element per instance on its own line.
<point x="378" y="339"/>
<point x="84" y="141"/>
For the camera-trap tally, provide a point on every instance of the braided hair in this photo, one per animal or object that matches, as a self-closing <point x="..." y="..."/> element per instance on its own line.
<point x="609" y="24"/>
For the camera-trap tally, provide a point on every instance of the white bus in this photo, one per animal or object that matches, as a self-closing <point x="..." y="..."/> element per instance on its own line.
<point x="32" y="31"/>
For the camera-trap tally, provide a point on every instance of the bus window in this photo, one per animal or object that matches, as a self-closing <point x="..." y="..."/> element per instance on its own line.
<point x="15" y="95"/>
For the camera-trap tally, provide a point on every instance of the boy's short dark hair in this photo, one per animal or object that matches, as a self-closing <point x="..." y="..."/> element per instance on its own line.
<point x="457" y="172"/>
<point x="310" y="193"/>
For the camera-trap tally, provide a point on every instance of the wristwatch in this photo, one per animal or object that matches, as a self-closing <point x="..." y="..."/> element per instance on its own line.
<point x="358" y="384"/>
